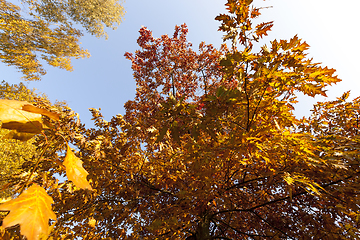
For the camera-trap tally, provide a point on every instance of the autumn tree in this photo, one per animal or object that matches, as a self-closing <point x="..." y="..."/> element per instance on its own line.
<point x="49" y="31"/>
<point x="209" y="148"/>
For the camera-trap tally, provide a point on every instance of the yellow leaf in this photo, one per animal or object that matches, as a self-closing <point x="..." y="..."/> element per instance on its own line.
<point x="92" y="222"/>
<point x="3" y="200"/>
<point x="31" y="210"/>
<point x="23" y="116"/>
<point x="75" y="171"/>
<point x="33" y="109"/>
<point x="14" y="117"/>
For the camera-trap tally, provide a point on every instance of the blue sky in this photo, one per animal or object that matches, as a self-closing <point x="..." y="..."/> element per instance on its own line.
<point x="105" y="79"/>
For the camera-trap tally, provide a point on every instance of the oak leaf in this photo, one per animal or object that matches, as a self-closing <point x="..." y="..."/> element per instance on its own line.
<point x="75" y="171"/>
<point x="262" y="29"/>
<point x="32" y="210"/>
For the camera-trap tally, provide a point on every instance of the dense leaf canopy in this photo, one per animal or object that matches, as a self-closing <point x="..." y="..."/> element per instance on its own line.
<point x="209" y="148"/>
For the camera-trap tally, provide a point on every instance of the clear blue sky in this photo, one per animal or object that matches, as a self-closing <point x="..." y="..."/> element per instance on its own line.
<point x="105" y="79"/>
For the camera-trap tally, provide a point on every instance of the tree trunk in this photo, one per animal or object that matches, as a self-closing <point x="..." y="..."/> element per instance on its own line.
<point x="203" y="231"/>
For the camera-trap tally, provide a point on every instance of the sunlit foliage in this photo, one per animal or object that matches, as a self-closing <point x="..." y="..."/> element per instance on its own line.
<point x="45" y="31"/>
<point x="13" y="153"/>
<point x="209" y="148"/>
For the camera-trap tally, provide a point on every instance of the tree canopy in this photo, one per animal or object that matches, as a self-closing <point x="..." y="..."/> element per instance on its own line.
<point x="50" y="31"/>
<point x="209" y="148"/>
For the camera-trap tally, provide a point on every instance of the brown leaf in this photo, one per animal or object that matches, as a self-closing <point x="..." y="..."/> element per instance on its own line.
<point x="75" y="171"/>
<point x="32" y="211"/>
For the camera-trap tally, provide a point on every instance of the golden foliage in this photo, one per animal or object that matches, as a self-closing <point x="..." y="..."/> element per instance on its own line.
<point x="93" y="15"/>
<point x="210" y="146"/>
<point x="14" y="153"/>
<point x="49" y="32"/>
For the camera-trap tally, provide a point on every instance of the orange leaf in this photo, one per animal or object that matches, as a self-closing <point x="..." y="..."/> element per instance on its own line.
<point x="263" y="28"/>
<point x="75" y="171"/>
<point x="32" y="210"/>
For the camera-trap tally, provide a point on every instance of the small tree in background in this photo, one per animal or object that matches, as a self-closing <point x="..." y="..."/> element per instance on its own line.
<point x="46" y="29"/>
